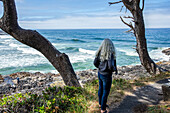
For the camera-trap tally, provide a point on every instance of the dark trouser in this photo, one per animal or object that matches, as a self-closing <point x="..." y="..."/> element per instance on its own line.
<point x="105" y="82"/>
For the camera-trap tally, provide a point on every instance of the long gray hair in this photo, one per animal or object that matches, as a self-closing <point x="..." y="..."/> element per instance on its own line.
<point x="105" y="50"/>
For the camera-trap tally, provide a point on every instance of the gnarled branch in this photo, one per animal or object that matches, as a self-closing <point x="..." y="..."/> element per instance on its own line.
<point x="61" y="62"/>
<point x="130" y="25"/>
<point x="128" y="17"/>
<point x="114" y="2"/>
<point x="129" y="31"/>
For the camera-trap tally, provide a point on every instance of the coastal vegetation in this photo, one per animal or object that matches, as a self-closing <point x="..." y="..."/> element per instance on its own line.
<point x="69" y="99"/>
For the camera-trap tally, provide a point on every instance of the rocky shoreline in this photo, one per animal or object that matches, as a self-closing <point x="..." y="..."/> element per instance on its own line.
<point x="36" y="82"/>
<point x="166" y="51"/>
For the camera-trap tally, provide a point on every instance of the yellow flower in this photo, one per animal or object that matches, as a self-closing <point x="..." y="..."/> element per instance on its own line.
<point x="54" y="99"/>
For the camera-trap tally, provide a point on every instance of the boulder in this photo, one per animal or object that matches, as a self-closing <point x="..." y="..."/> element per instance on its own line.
<point x="166" y="51"/>
<point x="26" y="86"/>
<point x="166" y="92"/>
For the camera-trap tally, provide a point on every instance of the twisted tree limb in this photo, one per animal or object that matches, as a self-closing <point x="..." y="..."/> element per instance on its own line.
<point x="139" y="31"/>
<point x="114" y="2"/>
<point x="32" y="38"/>
<point x="130" y="25"/>
<point x="128" y="17"/>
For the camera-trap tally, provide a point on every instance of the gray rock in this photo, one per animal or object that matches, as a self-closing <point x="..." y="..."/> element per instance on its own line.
<point x="166" y="51"/>
<point x="41" y="79"/>
<point x="26" y="86"/>
<point x="166" y="92"/>
<point x="28" y="78"/>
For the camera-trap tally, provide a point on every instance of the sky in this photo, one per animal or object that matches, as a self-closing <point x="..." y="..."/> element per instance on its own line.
<point x="86" y="14"/>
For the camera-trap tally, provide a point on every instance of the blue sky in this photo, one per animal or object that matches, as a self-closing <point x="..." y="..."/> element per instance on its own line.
<point x="80" y="14"/>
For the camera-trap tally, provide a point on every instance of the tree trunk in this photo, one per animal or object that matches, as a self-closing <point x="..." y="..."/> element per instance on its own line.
<point x="60" y="61"/>
<point x="139" y="31"/>
<point x="145" y="59"/>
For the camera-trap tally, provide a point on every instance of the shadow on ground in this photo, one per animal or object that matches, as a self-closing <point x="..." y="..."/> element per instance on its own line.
<point x="149" y="94"/>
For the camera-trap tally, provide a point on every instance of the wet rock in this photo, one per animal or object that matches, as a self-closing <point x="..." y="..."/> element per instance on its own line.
<point x="166" y="51"/>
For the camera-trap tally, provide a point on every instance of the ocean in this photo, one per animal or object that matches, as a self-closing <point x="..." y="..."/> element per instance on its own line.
<point x="80" y="45"/>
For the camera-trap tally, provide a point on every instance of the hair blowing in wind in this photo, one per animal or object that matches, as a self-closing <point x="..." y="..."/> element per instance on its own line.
<point x="106" y="50"/>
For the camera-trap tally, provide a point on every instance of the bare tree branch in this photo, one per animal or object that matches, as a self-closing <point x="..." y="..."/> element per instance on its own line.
<point x="114" y="2"/>
<point x="130" y="25"/>
<point x="143" y="4"/>
<point x="121" y="8"/>
<point x="128" y="17"/>
<point x="134" y="48"/>
<point x="129" y="31"/>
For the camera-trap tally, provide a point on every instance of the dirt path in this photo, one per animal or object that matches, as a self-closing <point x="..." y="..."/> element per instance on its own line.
<point x="149" y="94"/>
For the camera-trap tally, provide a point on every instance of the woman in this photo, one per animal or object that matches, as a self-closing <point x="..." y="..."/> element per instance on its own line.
<point x="105" y="61"/>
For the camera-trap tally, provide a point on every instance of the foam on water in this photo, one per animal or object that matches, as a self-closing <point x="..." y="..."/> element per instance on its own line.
<point x="79" y="57"/>
<point x="157" y="55"/>
<point x="13" y="45"/>
<point x="87" y="51"/>
<point x="14" y="60"/>
<point x="15" y="56"/>
<point x="128" y="52"/>
<point x="5" y="36"/>
<point x="29" y="51"/>
<point x="44" y="71"/>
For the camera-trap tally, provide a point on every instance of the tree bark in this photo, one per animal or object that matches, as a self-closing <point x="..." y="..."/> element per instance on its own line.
<point x="139" y="32"/>
<point x="32" y="38"/>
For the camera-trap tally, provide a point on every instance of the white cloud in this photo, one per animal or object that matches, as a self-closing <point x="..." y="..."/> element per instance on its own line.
<point x="157" y="20"/>
<point x="85" y="22"/>
<point x="75" y="23"/>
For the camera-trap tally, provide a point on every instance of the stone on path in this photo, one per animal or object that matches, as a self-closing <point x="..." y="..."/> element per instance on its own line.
<point x="166" y="92"/>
